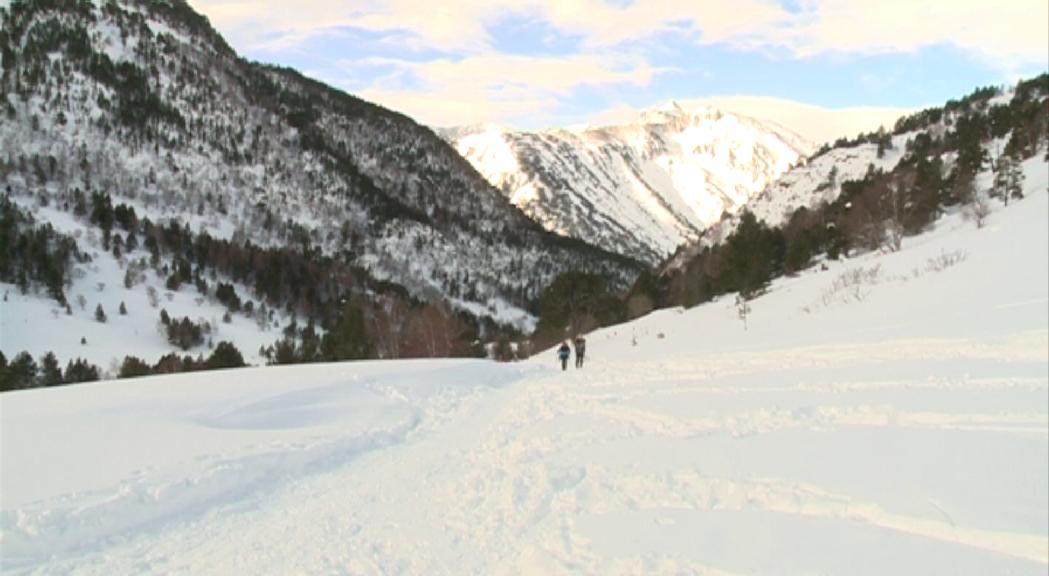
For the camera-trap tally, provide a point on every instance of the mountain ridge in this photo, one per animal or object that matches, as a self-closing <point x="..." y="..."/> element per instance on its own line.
<point x="640" y="189"/>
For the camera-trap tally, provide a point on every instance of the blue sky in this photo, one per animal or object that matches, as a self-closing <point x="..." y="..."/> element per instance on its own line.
<point x="534" y="63"/>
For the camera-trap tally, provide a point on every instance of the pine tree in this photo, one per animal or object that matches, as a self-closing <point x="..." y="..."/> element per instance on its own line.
<point x="185" y="333"/>
<point x="755" y="255"/>
<point x="80" y="370"/>
<point x="832" y="177"/>
<point x="226" y="294"/>
<point x="884" y="140"/>
<point x="1000" y="186"/>
<point x="577" y="301"/>
<point x="21" y="372"/>
<point x="1014" y="180"/>
<point x="133" y="367"/>
<point x="123" y="309"/>
<point x="102" y="215"/>
<point x="50" y="371"/>
<point x="225" y="355"/>
<point x="348" y="339"/>
<point x="100" y="314"/>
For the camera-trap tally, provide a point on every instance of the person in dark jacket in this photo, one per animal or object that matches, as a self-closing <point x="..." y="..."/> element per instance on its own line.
<point x="580" y="351"/>
<point x="563" y="353"/>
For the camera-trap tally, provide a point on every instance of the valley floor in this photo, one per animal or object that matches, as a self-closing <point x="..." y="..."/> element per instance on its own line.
<point x="887" y="416"/>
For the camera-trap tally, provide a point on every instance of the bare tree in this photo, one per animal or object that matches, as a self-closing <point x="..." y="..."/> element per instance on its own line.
<point x="899" y="208"/>
<point x="742" y="308"/>
<point x="978" y="210"/>
<point x="433" y="332"/>
<point x="388" y="319"/>
<point x="638" y="305"/>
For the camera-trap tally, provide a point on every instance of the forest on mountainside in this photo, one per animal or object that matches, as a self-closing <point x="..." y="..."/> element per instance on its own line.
<point x="133" y="134"/>
<point x="990" y="132"/>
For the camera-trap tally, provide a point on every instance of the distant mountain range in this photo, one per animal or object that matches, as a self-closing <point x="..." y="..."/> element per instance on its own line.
<point x="640" y="189"/>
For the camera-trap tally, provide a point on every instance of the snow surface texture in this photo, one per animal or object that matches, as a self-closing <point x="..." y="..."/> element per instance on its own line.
<point x="639" y="189"/>
<point x="887" y="416"/>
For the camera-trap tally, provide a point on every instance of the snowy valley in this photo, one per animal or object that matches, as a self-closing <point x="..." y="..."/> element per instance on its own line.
<point x="799" y="361"/>
<point x="889" y="414"/>
<point x="161" y="196"/>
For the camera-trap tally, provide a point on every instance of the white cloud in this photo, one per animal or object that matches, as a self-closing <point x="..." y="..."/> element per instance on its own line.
<point x="494" y="87"/>
<point x="543" y="73"/>
<point x="455" y="25"/>
<point x="710" y="21"/>
<point x="1008" y="33"/>
<point x="459" y="106"/>
<point x="475" y="82"/>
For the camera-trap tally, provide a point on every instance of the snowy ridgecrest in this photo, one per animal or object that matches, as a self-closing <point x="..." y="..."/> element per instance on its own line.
<point x="640" y="189"/>
<point x="889" y="415"/>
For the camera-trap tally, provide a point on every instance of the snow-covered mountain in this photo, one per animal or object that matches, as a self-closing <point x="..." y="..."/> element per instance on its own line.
<point x="140" y="107"/>
<point x="640" y="189"/>
<point x="889" y="415"/>
<point x="935" y="160"/>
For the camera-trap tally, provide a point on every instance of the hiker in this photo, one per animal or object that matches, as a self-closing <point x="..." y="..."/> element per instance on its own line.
<point x="580" y="351"/>
<point x="563" y="353"/>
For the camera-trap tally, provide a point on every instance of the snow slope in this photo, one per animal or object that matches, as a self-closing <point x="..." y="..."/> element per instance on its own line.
<point x="641" y="188"/>
<point x="37" y="324"/>
<point x="898" y="424"/>
<point x="806" y="185"/>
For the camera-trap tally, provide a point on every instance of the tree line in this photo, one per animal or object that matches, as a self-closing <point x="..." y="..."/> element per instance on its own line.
<point x="23" y="372"/>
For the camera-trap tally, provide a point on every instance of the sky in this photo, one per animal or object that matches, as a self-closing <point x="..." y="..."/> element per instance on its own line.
<point x="539" y="63"/>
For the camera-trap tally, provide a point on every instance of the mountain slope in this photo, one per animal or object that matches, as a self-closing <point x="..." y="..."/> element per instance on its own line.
<point x="640" y="189"/>
<point x="903" y="432"/>
<point x="866" y="193"/>
<point x="141" y="106"/>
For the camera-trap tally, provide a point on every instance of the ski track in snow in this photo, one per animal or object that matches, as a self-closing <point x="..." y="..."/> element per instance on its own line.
<point x="460" y="486"/>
